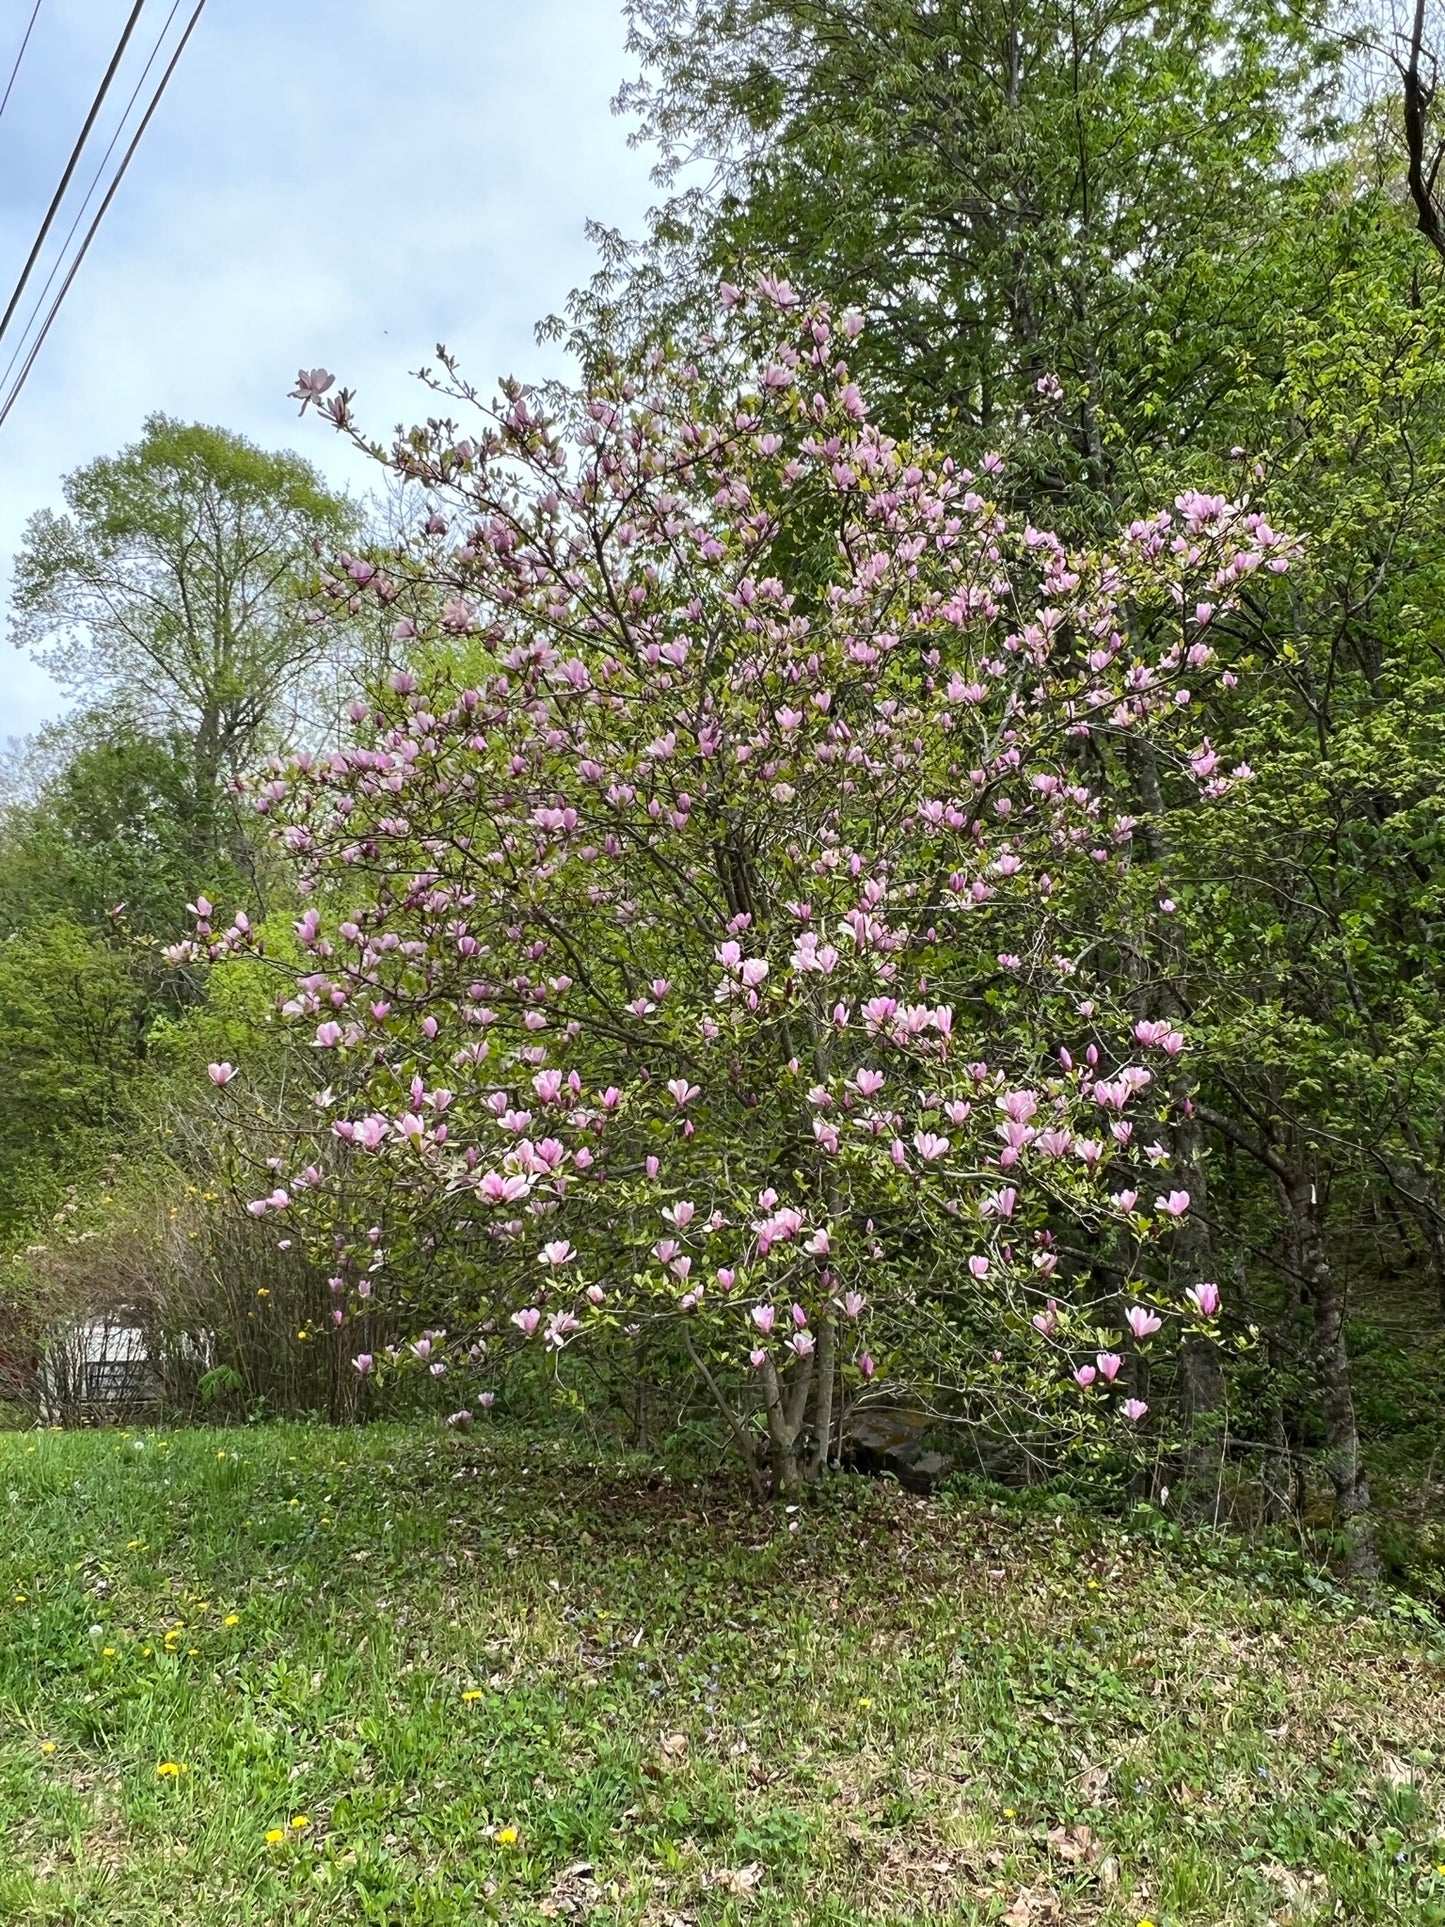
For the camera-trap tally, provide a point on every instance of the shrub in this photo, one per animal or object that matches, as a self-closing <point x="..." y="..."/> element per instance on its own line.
<point x="716" y="969"/>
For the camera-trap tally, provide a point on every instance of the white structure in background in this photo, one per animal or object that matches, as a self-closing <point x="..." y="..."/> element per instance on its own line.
<point x="92" y="1368"/>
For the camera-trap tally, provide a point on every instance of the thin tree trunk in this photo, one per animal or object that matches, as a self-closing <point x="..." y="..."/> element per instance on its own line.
<point x="823" y="1409"/>
<point x="738" y="1429"/>
<point x="1201" y="1374"/>
<point x="1328" y="1296"/>
<point x="1278" y="1450"/>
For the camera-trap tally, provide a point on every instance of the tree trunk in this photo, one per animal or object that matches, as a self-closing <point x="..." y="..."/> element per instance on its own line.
<point x="823" y="1397"/>
<point x="1201" y="1374"/>
<point x="786" y="1407"/>
<point x="1427" y="1214"/>
<point x="1328" y="1296"/>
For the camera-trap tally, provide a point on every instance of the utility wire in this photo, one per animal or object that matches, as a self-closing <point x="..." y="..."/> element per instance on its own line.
<point x="19" y="57"/>
<point x="100" y="213"/>
<point x="95" y="107"/>
<point x="19" y="349"/>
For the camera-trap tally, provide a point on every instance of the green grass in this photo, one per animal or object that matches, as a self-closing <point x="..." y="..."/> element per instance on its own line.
<point x="500" y="1682"/>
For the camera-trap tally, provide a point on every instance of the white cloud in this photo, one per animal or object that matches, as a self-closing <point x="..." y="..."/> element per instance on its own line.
<point x="344" y="182"/>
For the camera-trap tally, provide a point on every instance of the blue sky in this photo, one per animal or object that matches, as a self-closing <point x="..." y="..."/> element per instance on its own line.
<point x="344" y="182"/>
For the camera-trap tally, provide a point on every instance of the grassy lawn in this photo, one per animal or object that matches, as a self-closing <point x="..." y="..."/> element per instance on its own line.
<point x="293" y="1675"/>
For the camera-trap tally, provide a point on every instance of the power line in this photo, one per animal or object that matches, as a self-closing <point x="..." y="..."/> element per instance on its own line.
<point x="59" y="195"/>
<point x="35" y="15"/>
<point x="19" y="349"/>
<point x="90" y="232"/>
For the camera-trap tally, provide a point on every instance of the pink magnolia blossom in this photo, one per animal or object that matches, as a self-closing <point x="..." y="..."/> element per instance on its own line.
<point x="220" y="1074"/>
<point x="1110" y="1364"/>
<point x="676" y="770"/>
<point x="1133" y="1409"/>
<point x="1141" y="1322"/>
<point x="1204" y="1298"/>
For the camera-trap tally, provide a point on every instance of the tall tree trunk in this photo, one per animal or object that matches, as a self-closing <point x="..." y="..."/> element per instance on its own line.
<point x="1308" y="1257"/>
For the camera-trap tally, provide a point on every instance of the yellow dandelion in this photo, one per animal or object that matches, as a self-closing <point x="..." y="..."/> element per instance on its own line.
<point x="300" y="1820"/>
<point x="233" y="1619"/>
<point x="274" y="1836"/>
<point x="472" y="1693"/>
<point x="507" y="1837"/>
<point x="865" y="1702"/>
<point x="20" y="1598"/>
<point x="47" y="1746"/>
<point x="107" y="1652"/>
<point x="169" y="1770"/>
<point x="263" y="1292"/>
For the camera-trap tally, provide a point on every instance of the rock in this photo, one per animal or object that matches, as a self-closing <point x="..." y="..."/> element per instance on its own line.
<point x="889" y="1443"/>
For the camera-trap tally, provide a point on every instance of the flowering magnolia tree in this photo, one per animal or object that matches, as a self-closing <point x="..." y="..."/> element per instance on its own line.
<point x="699" y="950"/>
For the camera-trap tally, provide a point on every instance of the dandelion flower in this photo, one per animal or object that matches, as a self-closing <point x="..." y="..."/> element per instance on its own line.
<point x="169" y="1770"/>
<point x="233" y="1619"/>
<point x="274" y="1836"/>
<point x="299" y="1820"/>
<point x="507" y="1837"/>
<point x="472" y="1693"/>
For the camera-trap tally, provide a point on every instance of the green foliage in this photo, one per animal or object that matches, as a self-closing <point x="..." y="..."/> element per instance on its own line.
<point x="1063" y="190"/>
<point x="174" y="580"/>
<point x="72" y="1037"/>
<point x="108" y="840"/>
